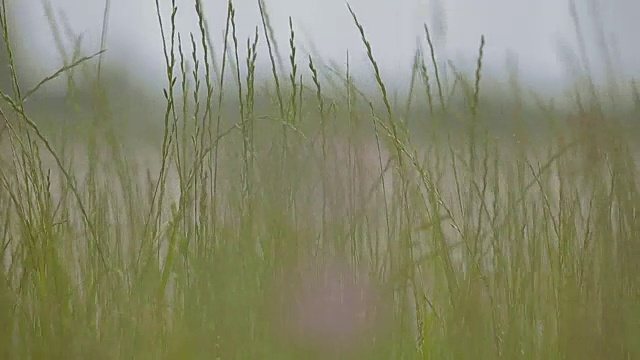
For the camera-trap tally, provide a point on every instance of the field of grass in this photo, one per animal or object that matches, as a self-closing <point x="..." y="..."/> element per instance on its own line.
<point x="301" y="216"/>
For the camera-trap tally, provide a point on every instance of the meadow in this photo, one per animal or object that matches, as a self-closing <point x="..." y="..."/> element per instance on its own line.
<point x="296" y="214"/>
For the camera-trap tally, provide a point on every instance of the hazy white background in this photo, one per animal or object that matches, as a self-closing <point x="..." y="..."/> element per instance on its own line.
<point x="526" y="30"/>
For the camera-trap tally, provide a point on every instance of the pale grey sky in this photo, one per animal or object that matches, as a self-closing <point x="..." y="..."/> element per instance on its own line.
<point x="529" y="29"/>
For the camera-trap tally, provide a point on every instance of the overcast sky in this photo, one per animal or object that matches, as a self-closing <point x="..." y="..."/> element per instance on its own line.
<point x="530" y="30"/>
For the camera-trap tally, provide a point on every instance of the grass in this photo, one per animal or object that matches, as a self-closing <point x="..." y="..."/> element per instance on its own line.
<point x="443" y="231"/>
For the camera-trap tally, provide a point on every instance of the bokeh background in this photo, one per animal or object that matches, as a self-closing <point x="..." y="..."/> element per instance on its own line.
<point x="324" y="233"/>
<point x="537" y="35"/>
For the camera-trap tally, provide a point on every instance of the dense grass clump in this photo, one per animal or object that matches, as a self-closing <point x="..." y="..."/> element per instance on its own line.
<point x="297" y="216"/>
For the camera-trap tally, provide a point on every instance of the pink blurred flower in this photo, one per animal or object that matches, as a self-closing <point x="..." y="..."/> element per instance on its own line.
<point x="328" y="308"/>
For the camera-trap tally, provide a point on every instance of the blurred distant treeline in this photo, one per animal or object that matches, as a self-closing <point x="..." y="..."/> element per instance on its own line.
<point x="124" y="97"/>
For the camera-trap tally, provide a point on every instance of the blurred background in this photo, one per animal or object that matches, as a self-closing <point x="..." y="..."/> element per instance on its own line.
<point x="537" y="36"/>
<point x="549" y="44"/>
